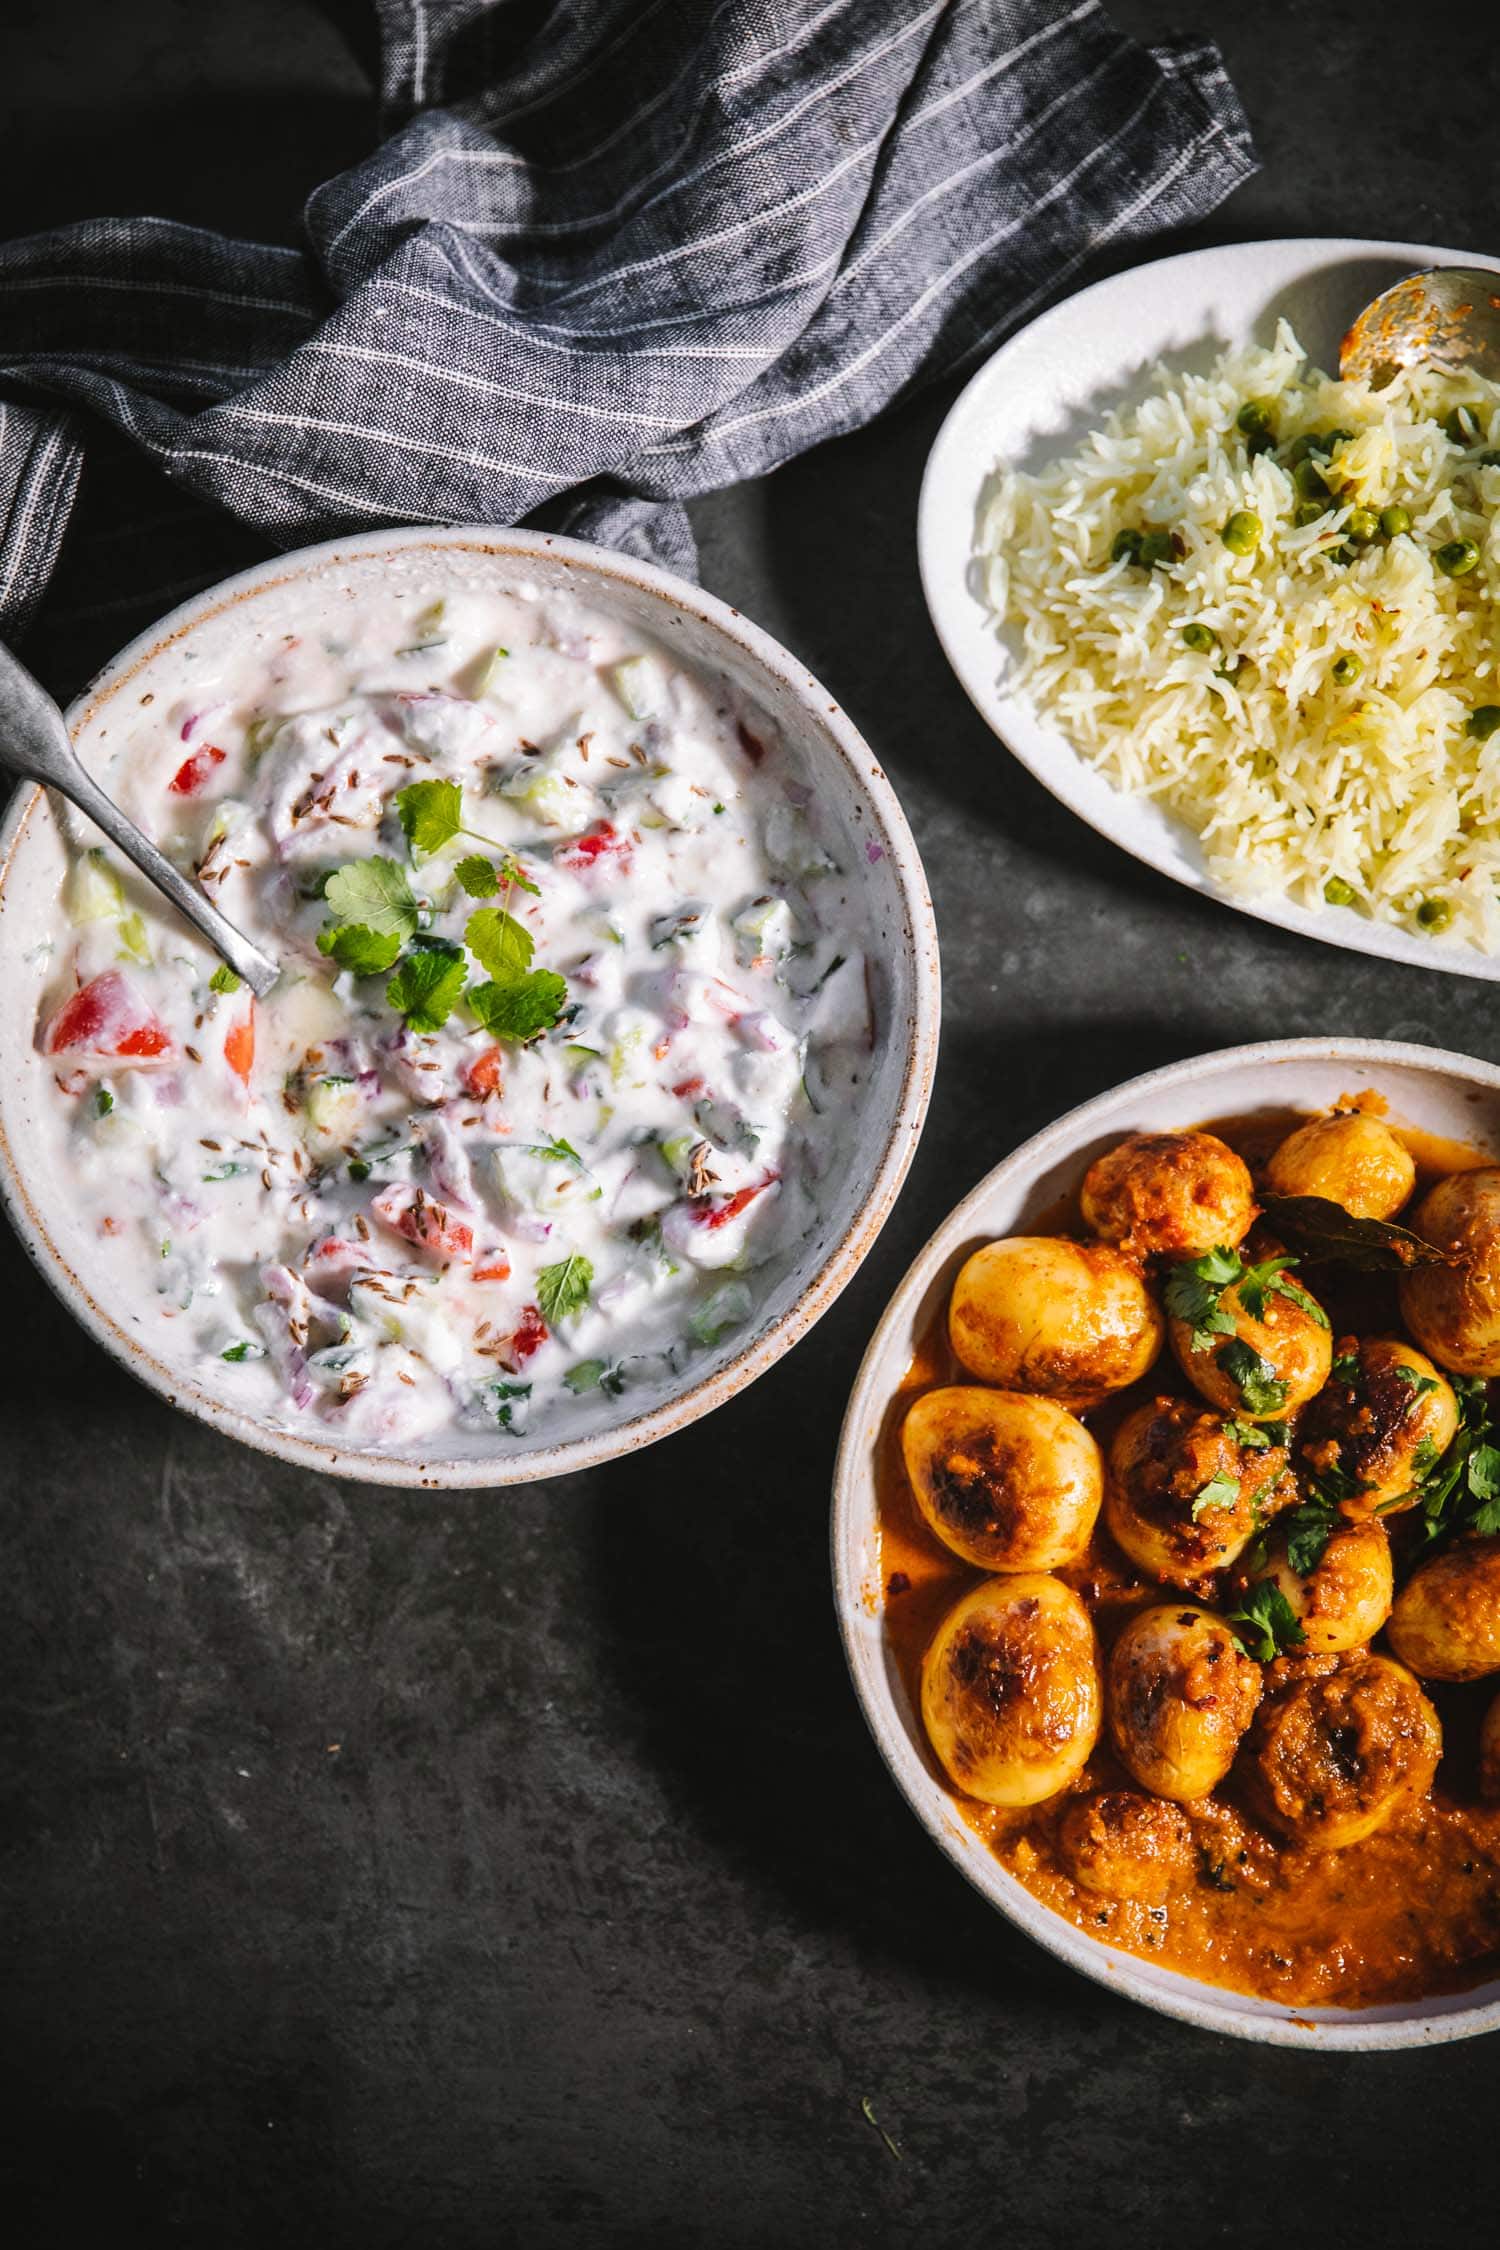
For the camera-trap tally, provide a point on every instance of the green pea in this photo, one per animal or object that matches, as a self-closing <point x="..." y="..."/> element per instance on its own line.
<point x="1341" y="555"/>
<point x="1346" y="669"/>
<point x="1241" y="535"/>
<point x="1254" y="418"/>
<point x="1434" y="914"/>
<point x="1156" y="547"/>
<point x="1482" y="722"/>
<point x="1457" y="558"/>
<point x="1299" y="449"/>
<point x="1363" y="526"/>
<point x="1339" y="893"/>
<point x="1331" y="439"/>
<point x="1126" y="548"/>
<point x="1463" y="425"/>
<point x="1308" y="511"/>
<point x="1199" y="638"/>
<point x="1393" y="521"/>
<point x="1308" y="480"/>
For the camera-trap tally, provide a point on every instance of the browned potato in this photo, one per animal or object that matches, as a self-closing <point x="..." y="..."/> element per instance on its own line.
<point x="1171" y="1195"/>
<point x="1073" y="1320"/>
<point x="1008" y="1482"/>
<point x="1010" y="1689"/>
<point x="1350" y="1159"/>
<point x="1346" y="1597"/>
<point x="1187" y="1490"/>
<point x="1339" y="1746"/>
<point x="1118" y="1844"/>
<point x="1454" y="1311"/>
<point x="1381" y="1422"/>
<point x="1180" y="1693"/>
<point x="1273" y="1363"/>
<point x="1489" y="1753"/>
<point x="1446" y="1622"/>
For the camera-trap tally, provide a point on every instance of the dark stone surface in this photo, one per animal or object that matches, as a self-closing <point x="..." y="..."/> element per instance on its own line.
<point x="516" y="1868"/>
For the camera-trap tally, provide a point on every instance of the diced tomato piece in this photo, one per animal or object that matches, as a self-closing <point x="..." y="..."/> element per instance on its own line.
<point x="194" y="771"/>
<point x="688" y="1088"/>
<point x="601" y="842"/>
<point x="716" y="1211"/>
<point x="108" y="1020"/>
<point x="482" y="1075"/>
<point x="239" y="1044"/>
<point x="431" y="1226"/>
<point x="496" y="1269"/>
<point x="529" y="1337"/>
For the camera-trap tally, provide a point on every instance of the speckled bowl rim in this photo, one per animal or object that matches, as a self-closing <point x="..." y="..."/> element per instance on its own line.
<point x="604" y="568"/>
<point x="1191" y="2000"/>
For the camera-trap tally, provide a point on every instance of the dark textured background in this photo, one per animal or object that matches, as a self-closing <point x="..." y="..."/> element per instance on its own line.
<point x="516" y="1869"/>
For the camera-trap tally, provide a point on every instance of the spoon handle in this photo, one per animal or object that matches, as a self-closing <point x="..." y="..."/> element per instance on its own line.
<point x="34" y="744"/>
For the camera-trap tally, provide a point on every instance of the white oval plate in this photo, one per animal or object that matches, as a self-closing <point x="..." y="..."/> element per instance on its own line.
<point x="1042" y="392"/>
<point x="1450" y="1095"/>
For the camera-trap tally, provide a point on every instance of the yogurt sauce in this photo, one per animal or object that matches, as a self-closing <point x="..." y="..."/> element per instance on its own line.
<point x="570" y="1069"/>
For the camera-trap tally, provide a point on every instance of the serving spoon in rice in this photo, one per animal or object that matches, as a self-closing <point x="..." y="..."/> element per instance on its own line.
<point x="1449" y="315"/>
<point x="34" y="743"/>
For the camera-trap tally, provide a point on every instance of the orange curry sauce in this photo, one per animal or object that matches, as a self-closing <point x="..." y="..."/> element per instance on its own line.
<point x="1413" y="1909"/>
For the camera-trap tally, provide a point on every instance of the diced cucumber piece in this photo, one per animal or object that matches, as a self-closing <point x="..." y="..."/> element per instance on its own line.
<point x="724" y="1309"/>
<point x="547" y="795"/>
<point x="334" y="1107"/>
<point x="95" y="892"/>
<point x="765" y="930"/>
<point x="641" y="685"/>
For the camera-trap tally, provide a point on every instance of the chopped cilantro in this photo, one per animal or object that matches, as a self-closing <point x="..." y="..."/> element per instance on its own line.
<point x="499" y="943"/>
<point x="104" y="1101"/>
<point x="243" y="1350"/>
<point x="1346" y="1368"/>
<point x="1221" y="1491"/>
<point x="1256" y="1380"/>
<point x="1308" y="1531"/>
<point x="1193" y="1291"/>
<point x="372" y="895"/>
<point x="223" y="979"/>
<point x="1420" y="1384"/>
<point x="477" y="875"/>
<point x="563" y="1289"/>
<point x="1256" y="1435"/>
<point x="1270" y="1621"/>
<point x="554" y="1151"/>
<point x="431" y="813"/>
<point x="426" y="987"/>
<point x="521" y="1009"/>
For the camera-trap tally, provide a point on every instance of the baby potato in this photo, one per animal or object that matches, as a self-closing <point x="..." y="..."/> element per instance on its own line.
<point x="1348" y="1159"/>
<point x="1119" y="1844"/>
<point x="1073" y="1320"/>
<point x="1187" y="1490"/>
<point x="1008" y="1482"/>
<point x="1446" y="1622"/>
<point x="1454" y="1311"/>
<point x="1381" y="1422"/>
<point x="1180" y="1693"/>
<point x="1339" y="1746"/>
<point x="1489" y="1754"/>
<point x="1171" y="1195"/>
<point x="1343" y="1601"/>
<point x="1010" y="1689"/>
<point x="1276" y="1360"/>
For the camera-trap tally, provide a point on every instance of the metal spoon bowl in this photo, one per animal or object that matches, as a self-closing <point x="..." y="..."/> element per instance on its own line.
<point x="34" y="744"/>
<point x="1449" y="315"/>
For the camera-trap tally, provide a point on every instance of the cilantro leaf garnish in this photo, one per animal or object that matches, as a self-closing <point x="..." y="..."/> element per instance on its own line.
<point x="365" y="952"/>
<point x="520" y="1010"/>
<point x="426" y="987"/>
<point x="499" y="943"/>
<point x="1255" y="1435"/>
<point x="371" y="894"/>
<point x="555" y="1151"/>
<point x="223" y="979"/>
<point x="1270" y="1621"/>
<point x="1308" y="1531"/>
<point x="431" y="813"/>
<point x="563" y="1289"/>
<point x="1193" y="1290"/>
<point x="1420" y="1384"/>
<point x="1221" y="1491"/>
<point x="477" y="875"/>
<point x="1256" y="1380"/>
<point x="1347" y="1368"/>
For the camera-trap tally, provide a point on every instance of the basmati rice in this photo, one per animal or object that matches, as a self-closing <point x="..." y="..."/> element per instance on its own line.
<point x="1294" y="781"/>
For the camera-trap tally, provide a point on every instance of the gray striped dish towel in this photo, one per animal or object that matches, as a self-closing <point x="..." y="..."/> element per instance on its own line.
<point x="608" y="257"/>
